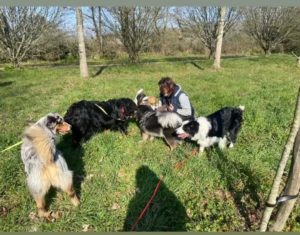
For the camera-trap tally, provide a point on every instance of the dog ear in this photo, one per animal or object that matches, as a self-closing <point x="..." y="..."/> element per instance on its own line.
<point x="59" y="119"/>
<point x="145" y="98"/>
<point x="122" y="111"/>
<point x="192" y="127"/>
<point x="138" y="97"/>
<point x="51" y="121"/>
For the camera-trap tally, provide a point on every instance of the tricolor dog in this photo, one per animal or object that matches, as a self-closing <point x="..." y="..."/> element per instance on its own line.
<point x="220" y="127"/>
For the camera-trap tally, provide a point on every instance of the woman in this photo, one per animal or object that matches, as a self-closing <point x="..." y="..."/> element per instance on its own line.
<point x="174" y="99"/>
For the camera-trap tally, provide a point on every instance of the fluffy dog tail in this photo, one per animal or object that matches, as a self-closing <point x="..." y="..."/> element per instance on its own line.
<point x="169" y="119"/>
<point x="58" y="174"/>
<point x="242" y="108"/>
<point x="139" y="96"/>
<point x="42" y="143"/>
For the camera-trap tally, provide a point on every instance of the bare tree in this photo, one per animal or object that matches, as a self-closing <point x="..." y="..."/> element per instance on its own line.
<point x="134" y="27"/>
<point x="22" y="27"/>
<point x="217" y="61"/>
<point x="202" y="23"/>
<point x="96" y="16"/>
<point x="270" y="26"/>
<point x="161" y="27"/>
<point x="292" y="42"/>
<point x="81" y="45"/>
<point x="52" y="45"/>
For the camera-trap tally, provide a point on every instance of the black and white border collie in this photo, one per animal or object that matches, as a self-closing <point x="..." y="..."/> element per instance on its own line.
<point x="153" y="123"/>
<point x="220" y="127"/>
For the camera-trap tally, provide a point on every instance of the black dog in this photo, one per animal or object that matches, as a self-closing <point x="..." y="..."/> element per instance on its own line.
<point x="89" y="117"/>
<point x="155" y="123"/>
<point x="220" y="127"/>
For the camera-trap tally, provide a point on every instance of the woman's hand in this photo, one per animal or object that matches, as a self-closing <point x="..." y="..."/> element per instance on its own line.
<point x="170" y="108"/>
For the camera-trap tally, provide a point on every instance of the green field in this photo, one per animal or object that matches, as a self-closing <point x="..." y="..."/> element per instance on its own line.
<point x="116" y="174"/>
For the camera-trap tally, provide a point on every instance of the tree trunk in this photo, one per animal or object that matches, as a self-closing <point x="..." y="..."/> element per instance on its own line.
<point x="81" y="45"/>
<point x="15" y="63"/>
<point x="134" y="57"/>
<point x="98" y="27"/>
<point x="285" y="156"/>
<point x="267" y="51"/>
<point x="217" y="61"/>
<point x="100" y="30"/>
<point x="210" y="53"/>
<point x="292" y="188"/>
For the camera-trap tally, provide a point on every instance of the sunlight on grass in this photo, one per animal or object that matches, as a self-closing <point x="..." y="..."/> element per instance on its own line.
<point x="215" y="192"/>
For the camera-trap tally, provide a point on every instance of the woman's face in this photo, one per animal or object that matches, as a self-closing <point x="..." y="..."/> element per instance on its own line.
<point x="165" y="91"/>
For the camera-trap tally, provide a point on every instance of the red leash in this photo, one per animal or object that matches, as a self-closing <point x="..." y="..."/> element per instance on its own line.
<point x="180" y="164"/>
<point x="177" y="167"/>
<point x="148" y="204"/>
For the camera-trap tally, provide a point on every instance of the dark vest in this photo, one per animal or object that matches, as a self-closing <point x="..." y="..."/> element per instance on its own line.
<point x="174" y="100"/>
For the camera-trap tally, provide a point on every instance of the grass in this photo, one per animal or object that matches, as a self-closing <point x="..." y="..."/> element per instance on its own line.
<point x="116" y="175"/>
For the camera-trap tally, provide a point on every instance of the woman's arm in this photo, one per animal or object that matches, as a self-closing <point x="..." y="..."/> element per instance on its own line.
<point x="185" y="105"/>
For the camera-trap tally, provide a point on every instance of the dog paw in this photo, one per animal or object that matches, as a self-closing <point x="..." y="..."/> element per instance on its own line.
<point x="142" y="141"/>
<point x="195" y="152"/>
<point x="231" y="145"/>
<point x="49" y="215"/>
<point x="33" y="216"/>
<point x="75" y="201"/>
<point x="172" y="147"/>
<point x="44" y="214"/>
<point x="54" y="216"/>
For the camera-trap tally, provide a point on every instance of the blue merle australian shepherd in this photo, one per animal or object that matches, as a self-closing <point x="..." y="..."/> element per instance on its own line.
<point x="44" y="163"/>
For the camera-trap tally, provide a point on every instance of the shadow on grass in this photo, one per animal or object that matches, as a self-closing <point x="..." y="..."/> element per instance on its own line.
<point x="254" y="59"/>
<point x="99" y="71"/>
<point x="125" y="62"/>
<point x="190" y="58"/>
<point x="196" y="65"/>
<point x="243" y="185"/>
<point x="3" y="84"/>
<point x="233" y="56"/>
<point x="165" y="213"/>
<point x="118" y="62"/>
<point x="74" y="159"/>
<point x="173" y="59"/>
<point x="184" y="60"/>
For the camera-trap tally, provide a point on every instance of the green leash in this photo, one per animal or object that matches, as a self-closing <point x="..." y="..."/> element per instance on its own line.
<point x="10" y="147"/>
<point x="102" y="109"/>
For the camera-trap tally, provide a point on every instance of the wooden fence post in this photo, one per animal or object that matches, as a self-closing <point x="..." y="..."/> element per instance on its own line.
<point x="292" y="188"/>
<point x="284" y="158"/>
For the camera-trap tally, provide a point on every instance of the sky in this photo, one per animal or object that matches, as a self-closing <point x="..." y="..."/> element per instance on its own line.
<point x="69" y="23"/>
